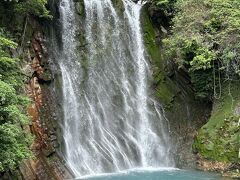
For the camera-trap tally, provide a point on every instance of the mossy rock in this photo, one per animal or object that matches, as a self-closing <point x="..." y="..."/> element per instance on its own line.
<point x="219" y="138"/>
<point x="165" y="90"/>
<point x="118" y="5"/>
<point x="80" y="7"/>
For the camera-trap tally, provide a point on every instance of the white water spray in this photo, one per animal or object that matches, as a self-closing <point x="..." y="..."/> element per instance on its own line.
<point x="110" y="122"/>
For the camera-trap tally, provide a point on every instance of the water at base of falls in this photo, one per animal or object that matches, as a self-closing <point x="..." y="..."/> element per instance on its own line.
<point x="110" y="121"/>
<point x="156" y="174"/>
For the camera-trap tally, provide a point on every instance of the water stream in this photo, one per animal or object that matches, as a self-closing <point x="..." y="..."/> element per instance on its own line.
<point x="111" y="123"/>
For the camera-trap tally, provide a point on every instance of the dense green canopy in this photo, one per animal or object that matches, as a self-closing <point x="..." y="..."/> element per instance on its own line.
<point x="205" y="41"/>
<point x="13" y="141"/>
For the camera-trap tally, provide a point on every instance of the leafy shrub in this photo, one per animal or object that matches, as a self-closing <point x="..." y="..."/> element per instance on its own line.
<point x="205" y="37"/>
<point x="34" y="7"/>
<point x="14" y="142"/>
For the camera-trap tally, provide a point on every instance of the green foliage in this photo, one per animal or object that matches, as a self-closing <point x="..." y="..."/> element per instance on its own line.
<point x="8" y="66"/>
<point x="13" y="141"/>
<point x="7" y="43"/>
<point x="205" y="44"/>
<point x="27" y="7"/>
<point x="203" y="83"/>
<point x="14" y="147"/>
<point x="161" y="12"/>
<point x="167" y="6"/>
<point x="34" y="7"/>
<point x="206" y="35"/>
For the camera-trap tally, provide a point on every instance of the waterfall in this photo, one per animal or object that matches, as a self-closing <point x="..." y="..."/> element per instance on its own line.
<point x="111" y="123"/>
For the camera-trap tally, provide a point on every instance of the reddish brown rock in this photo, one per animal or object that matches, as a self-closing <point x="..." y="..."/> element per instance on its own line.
<point x="46" y="164"/>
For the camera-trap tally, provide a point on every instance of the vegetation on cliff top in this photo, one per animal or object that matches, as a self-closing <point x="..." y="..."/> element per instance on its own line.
<point x="26" y="7"/>
<point x="204" y="42"/>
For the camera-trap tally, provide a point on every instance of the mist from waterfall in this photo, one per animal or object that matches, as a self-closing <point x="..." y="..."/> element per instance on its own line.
<point x="111" y="123"/>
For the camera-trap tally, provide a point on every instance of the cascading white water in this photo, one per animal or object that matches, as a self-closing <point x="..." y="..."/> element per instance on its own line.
<point x="110" y="121"/>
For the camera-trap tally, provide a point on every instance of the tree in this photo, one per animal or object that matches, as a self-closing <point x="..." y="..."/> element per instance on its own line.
<point x="205" y="39"/>
<point x="33" y="7"/>
<point x="14" y="142"/>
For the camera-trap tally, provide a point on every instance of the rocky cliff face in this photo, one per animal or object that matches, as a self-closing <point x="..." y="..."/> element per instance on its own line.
<point x="173" y="89"/>
<point x="47" y="163"/>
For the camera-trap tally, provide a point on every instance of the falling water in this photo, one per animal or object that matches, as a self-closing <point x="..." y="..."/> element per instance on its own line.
<point x="110" y="121"/>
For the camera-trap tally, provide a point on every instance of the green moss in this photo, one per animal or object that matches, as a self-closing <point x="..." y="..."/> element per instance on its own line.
<point x="163" y="88"/>
<point x="165" y="92"/>
<point x="219" y="138"/>
<point x="150" y="39"/>
<point x="80" y="7"/>
<point x="118" y="5"/>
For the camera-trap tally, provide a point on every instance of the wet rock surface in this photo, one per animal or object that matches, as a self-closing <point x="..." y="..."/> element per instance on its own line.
<point x="173" y="89"/>
<point x="47" y="164"/>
